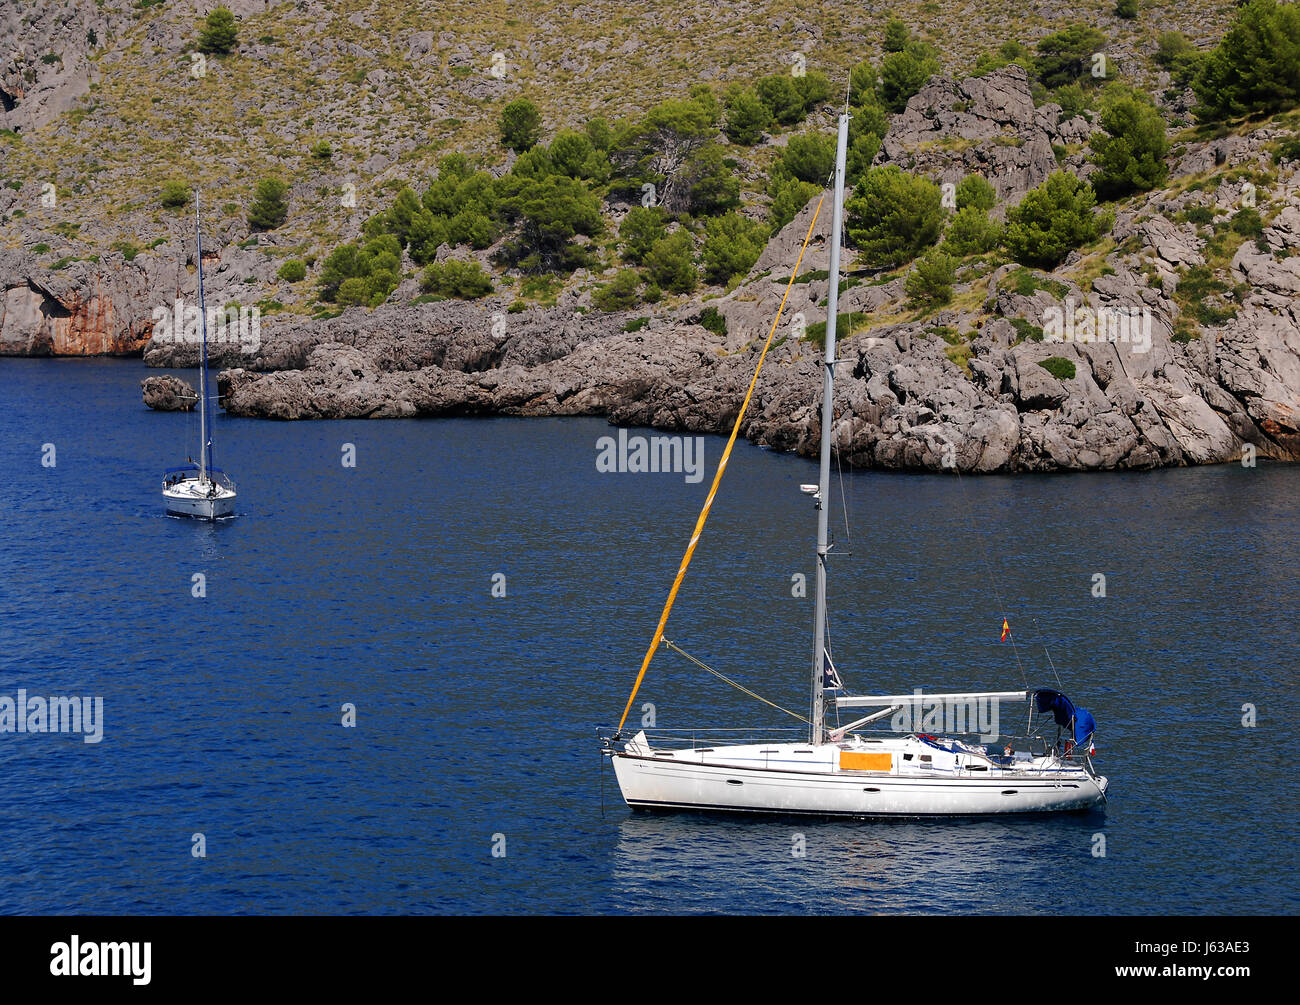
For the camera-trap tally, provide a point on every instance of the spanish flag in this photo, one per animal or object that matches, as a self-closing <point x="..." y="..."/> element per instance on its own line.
<point x="1006" y="629"/>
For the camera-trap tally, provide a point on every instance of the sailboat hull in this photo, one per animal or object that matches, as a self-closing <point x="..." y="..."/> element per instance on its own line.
<point x="666" y="783"/>
<point x="188" y="499"/>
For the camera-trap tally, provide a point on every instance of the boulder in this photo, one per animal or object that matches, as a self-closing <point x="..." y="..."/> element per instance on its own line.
<point x="166" y="393"/>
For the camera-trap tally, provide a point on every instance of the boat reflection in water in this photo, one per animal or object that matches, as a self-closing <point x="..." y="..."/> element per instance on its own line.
<point x="805" y="865"/>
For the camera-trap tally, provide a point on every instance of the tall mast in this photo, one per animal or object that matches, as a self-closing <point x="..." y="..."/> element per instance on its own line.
<point x="205" y="445"/>
<point x="817" y="734"/>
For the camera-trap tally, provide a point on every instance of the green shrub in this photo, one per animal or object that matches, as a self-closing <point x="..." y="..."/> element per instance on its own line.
<point x="600" y="133"/>
<point x="789" y="196"/>
<point x="862" y="84"/>
<point x="893" y="216"/>
<point x="175" y="193"/>
<point x="218" y="35"/>
<point x="1027" y="284"/>
<point x="1009" y="52"/>
<point x="929" y="284"/>
<point x="862" y="151"/>
<point x="896" y="36"/>
<point x="1058" y="366"/>
<point x="663" y="149"/>
<point x="710" y="318"/>
<point x="549" y="213"/>
<point x="362" y="274"/>
<point x="731" y="246"/>
<point x="1255" y="67"/>
<point x="904" y="73"/>
<point x="322" y="150"/>
<point x="1175" y="53"/>
<point x="809" y="157"/>
<point x="1170" y="47"/>
<point x="292" y="271"/>
<point x="40" y="249"/>
<point x="747" y="117"/>
<point x="1130" y="152"/>
<point x="1073" y="99"/>
<point x="635" y="324"/>
<point x="458" y="207"/>
<point x="1196" y="287"/>
<point x="520" y="125"/>
<point x="975" y="191"/>
<point x="971" y="232"/>
<point x="1065" y="57"/>
<point x="620" y="293"/>
<point x="270" y="204"/>
<point x="469" y="227"/>
<point x="455" y="278"/>
<point x="782" y="98"/>
<point x="574" y="154"/>
<point x="639" y="230"/>
<point x="711" y="182"/>
<point x="1052" y="220"/>
<point x="1026" y="331"/>
<point x="1127" y="9"/>
<point x="1247" y="222"/>
<point x="844" y="326"/>
<point x="669" y="263"/>
<point x="1287" y="150"/>
<point x="814" y="89"/>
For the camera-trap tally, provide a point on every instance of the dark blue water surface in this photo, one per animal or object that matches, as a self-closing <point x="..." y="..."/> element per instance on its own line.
<point x="476" y="715"/>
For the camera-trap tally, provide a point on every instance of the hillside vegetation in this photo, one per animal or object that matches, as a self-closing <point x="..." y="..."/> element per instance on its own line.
<point x="357" y="117"/>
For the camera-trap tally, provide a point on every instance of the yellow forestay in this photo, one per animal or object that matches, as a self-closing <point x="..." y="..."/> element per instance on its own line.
<point x="717" y="478"/>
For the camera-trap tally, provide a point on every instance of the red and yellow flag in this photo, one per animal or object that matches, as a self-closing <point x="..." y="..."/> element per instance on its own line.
<point x="1006" y="629"/>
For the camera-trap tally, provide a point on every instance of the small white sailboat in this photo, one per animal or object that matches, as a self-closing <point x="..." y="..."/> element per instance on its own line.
<point x="199" y="489"/>
<point x="848" y="771"/>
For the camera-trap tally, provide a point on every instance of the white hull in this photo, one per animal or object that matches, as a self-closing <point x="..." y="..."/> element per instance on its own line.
<point x="770" y="779"/>
<point x="206" y="502"/>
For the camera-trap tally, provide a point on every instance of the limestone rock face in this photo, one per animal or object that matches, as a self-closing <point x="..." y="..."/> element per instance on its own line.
<point x="86" y="309"/>
<point x="35" y="90"/>
<point x="982" y="125"/>
<point x="110" y="307"/>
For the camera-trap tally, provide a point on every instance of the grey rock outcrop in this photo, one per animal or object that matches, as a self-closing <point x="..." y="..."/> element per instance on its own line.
<point x="168" y="394"/>
<point x="982" y="125"/>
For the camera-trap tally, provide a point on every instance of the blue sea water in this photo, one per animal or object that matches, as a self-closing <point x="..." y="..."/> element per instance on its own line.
<point x="476" y="715"/>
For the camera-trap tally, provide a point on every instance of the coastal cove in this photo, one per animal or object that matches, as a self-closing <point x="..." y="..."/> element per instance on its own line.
<point x="373" y="586"/>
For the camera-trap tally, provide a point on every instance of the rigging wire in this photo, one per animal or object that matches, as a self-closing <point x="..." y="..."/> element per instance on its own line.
<point x="1059" y="685"/>
<point x="830" y="652"/>
<point x="844" y="501"/>
<point x="723" y="677"/>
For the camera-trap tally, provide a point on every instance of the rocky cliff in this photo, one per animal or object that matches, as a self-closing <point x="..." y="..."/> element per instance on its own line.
<point x="1172" y="341"/>
<point x="962" y="387"/>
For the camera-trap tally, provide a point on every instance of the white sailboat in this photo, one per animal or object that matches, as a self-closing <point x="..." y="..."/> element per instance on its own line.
<point x="199" y="489"/>
<point x="849" y="771"/>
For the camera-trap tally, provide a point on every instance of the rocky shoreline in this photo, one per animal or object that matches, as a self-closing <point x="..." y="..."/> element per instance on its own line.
<point x="961" y="388"/>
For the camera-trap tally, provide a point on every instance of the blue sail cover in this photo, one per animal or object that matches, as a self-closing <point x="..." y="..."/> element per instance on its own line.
<point x="1066" y="713"/>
